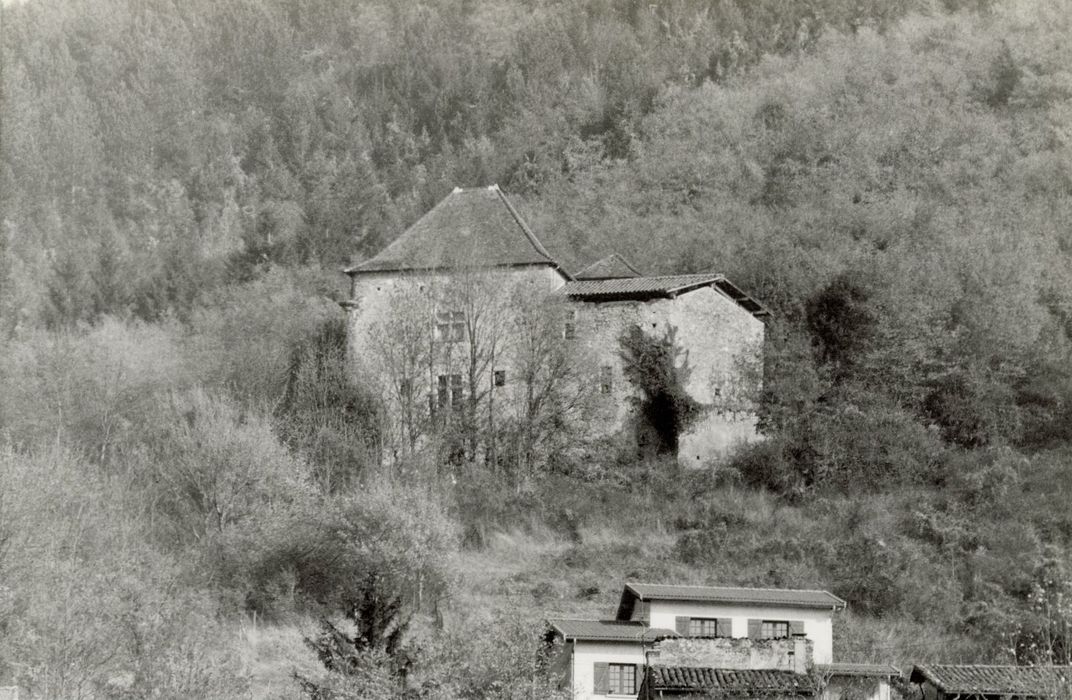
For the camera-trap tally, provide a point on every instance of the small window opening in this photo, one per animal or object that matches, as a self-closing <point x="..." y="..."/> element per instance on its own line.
<point x="500" y="377"/>
<point x="456" y="394"/>
<point x="606" y="380"/>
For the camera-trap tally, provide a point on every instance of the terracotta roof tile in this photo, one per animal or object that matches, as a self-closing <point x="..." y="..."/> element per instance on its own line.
<point x="609" y="630"/>
<point x="659" y="287"/>
<point x="751" y="683"/>
<point x="1031" y="681"/>
<point x="742" y="596"/>
<point x="471" y="226"/>
<point x="638" y="286"/>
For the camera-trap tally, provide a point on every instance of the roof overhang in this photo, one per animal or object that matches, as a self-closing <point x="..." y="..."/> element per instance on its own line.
<point x="782" y="598"/>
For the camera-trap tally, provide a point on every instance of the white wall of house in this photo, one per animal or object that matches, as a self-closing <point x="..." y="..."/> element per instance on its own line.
<point x="857" y="688"/>
<point x="587" y="654"/>
<point x="818" y="624"/>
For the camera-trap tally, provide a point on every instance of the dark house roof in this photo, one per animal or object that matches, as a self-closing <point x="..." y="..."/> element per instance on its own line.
<point x="664" y="287"/>
<point x="608" y="631"/>
<point x="718" y="594"/>
<point x="611" y="267"/>
<point x="854" y="669"/>
<point x="1025" y="681"/>
<point x="717" y="682"/>
<point x="477" y="226"/>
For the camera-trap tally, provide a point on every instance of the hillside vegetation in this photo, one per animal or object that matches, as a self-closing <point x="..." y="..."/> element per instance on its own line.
<point x="193" y="497"/>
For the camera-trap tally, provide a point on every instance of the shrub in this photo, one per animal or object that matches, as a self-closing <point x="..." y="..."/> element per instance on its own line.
<point x="324" y="415"/>
<point x="213" y="465"/>
<point x="334" y="554"/>
<point x="92" y="609"/>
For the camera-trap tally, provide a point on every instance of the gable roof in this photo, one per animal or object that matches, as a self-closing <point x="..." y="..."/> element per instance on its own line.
<point x="1029" y="681"/>
<point x="469" y="226"/>
<point x="664" y="287"/>
<point x="717" y="682"/>
<point x="613" y="266"/>
<point x="781" y="597"/>
<point x="608" y="630"/>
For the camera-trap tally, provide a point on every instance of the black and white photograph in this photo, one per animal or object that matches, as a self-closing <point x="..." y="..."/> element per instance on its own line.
<point x="536" y="349"/>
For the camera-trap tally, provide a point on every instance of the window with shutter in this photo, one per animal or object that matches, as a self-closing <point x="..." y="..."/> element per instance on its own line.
<point x="796" y="627"/>
<point x="755" y="629"/>
<point x="703" y="627"/>
<point x="600" y="676"/>
<point x="774" y="629"/>
<point x="681" y="625"/>
<point x="724" y="627"/>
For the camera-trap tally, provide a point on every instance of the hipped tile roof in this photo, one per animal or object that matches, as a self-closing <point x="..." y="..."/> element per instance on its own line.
<point x="716" y="681"/>
<point x="477" y="226"/>
<point x="609" y="630"/>
<point x="1030" y="681"/>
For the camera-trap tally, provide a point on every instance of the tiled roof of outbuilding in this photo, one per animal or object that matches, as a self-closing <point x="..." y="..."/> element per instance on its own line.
<point x="1025" y="681"/>
<point x="720" y="594"/>
<point x="613" y="266"/>
<point x="717" y="681"/>
<point x="609" y="630"/>
<point x="666" y="286"/>
<point x="638" y="286"/>
<point x="477" y="226"/>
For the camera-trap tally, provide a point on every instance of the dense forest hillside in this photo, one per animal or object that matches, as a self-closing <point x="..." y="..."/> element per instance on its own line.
<point x="193" y="495"/>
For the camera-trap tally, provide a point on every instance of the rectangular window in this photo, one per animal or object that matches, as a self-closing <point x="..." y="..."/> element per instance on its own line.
<point x="405" y="388"/>
<point x="450" y="326"/>
<point x="442" y="391"/>
<point x="774" y="629"/>
<point x="456" y="393"/>
<point x="606" y="380"/>
<point x="703" y="627"/>
<point x="622" y="679"/>
<point x="500" y="377"/>
<point x="569" y="330"/>
<point x="449" y="390"/>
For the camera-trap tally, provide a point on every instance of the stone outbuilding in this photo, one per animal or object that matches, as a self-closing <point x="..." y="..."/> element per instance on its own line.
<point x="983" y="682"/>
<point x="465" y="267"/>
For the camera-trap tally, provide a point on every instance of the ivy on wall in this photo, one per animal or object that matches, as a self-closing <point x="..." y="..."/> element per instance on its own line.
<point x="658" y="367"/>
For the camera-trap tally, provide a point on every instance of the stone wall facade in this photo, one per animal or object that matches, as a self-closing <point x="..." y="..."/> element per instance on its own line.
<point x="723" y="345"/>
<point x="721" y="340"/>
<point x="793" y="654"/>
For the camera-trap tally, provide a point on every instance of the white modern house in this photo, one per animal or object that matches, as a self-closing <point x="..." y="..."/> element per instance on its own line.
<point x="752" y="613"/>
<point x="689" y="641"/>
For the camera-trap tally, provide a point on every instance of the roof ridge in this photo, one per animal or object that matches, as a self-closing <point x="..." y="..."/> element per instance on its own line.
<point x="533" y="240"/>
<point x="614" y="255"/>
<point x="996" y="665"/>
